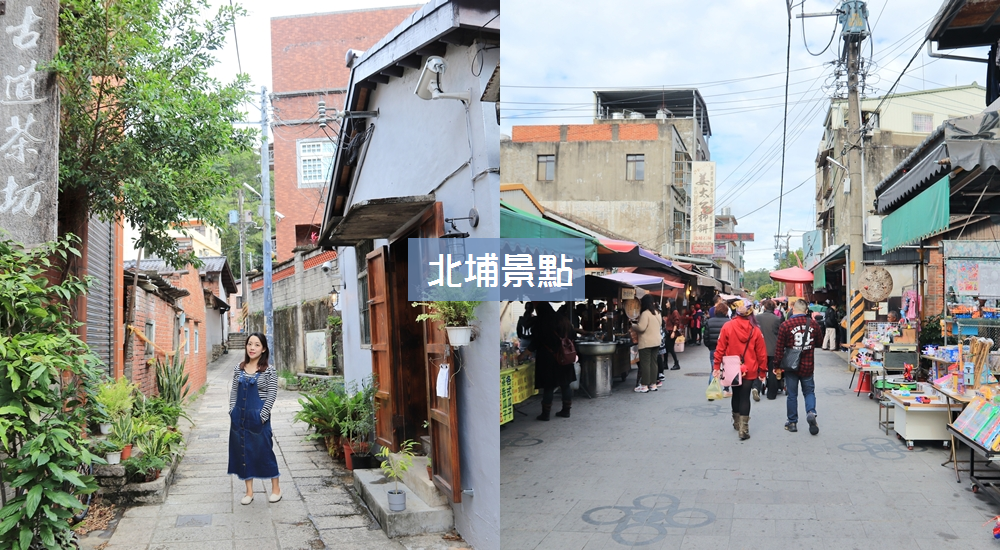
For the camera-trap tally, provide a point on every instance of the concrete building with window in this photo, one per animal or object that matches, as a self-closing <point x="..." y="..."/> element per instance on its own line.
<point x="629" y="171"/>
<point x="411" y="162"/>
<point x="310" y="82"/>
<point x="895" y="126"/>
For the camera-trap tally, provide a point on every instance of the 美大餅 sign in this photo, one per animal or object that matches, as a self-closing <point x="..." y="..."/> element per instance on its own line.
<point x="29" y="111"/>
<point x="703" y="207"/>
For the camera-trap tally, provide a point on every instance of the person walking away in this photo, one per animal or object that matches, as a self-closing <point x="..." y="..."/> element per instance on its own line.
<point x="769" y="324"/>
<point x="648" y="328"/>
<point x="251" y="445"/>
<point x="799" y="332"/>
<point x="740" y="338"/>
<point x="713" y="327"/>
<point x="524" y="324"/>
<point x="697" y="320"/>
<point x="673" y="328"/>
<point x="830" y="321"/>
<point x="546" y="337"/>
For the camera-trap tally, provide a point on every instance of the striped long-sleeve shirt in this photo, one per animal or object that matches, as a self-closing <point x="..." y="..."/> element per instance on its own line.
<point x="267" y="387"/>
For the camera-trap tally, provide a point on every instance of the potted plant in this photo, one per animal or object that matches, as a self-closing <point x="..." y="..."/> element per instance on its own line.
<point x="359" y="425"/>
<point x="456" y="316"/>
<point x="144" y="468"/>
<point x="122" y="433"/>
<point x="116" y="398"/>
<point x="113" y="452"/>
<point x="393" y="467"/>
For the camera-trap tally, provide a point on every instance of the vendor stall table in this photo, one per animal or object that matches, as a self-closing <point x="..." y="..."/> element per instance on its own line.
<point x="979" y="481"/>
<point x="921" y="422"/>
<point x="960" y="400"/>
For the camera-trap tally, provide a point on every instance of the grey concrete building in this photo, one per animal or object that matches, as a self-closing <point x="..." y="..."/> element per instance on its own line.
<point x="629" y="171"/>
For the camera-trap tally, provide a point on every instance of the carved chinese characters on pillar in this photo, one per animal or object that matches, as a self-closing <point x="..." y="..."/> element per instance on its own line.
<point x="29" y="123"/>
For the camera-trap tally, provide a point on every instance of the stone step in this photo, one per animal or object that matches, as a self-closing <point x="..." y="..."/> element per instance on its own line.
<point x="237" y="340"/>
<point x="416" y="479"/>
<point x="418" y="518"/>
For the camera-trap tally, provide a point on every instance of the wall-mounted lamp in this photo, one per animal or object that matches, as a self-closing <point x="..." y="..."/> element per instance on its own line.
<point x="335" y="294"/>
<point x="473" y="218"/>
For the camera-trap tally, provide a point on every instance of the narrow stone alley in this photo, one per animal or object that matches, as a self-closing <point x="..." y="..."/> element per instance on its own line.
<point x="318" y="509"/>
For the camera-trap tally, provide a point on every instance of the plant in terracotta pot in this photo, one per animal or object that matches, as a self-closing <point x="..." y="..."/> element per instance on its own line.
<point x="456" y="316"/>
<point x="394" y="465"/>
<point x="116" y="398"/>
<point x="144" y="468"/>
<point x="123" y="433"/>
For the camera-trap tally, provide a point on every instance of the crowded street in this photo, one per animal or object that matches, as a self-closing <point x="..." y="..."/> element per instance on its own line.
<point x="666" y="470"/>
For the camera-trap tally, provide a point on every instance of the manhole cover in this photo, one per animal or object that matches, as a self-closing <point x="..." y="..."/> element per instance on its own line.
<point x="695" y="374"/>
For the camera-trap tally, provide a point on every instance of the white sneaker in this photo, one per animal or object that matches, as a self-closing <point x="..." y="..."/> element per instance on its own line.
<point x="756" y="394"/>
<point x="641" y="389"/>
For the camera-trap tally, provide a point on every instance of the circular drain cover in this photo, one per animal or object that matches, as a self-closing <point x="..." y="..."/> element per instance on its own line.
<point x="695" y="374"/>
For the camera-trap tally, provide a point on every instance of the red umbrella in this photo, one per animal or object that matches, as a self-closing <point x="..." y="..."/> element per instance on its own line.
<point x="792" y="275"/>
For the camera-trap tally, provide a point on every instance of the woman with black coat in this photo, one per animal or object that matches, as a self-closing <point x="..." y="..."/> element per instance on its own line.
<point x="546" y="337"/>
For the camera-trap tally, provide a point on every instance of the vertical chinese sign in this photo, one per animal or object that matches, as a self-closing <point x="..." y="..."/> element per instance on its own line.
<point x="29" y="123"/>
<point x="703" y="207"/>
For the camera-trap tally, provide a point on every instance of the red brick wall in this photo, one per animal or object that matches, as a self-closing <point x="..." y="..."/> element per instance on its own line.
<point x="588" y="132"/>
<point x="307" y="53"/>
<point x="528" y="134"/>
<point x="637" y="132"/>
<point x="151" y="308"/>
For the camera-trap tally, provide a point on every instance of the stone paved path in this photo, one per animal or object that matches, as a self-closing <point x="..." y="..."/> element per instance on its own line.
<point x="666" y="470"/>
<point x="203" y="511"/>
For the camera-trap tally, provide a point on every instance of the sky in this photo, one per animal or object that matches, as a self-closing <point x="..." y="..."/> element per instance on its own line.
<point x="555" y="53"/>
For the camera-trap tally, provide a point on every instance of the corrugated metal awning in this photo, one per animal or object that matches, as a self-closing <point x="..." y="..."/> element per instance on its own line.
<point x="924" y="215"/>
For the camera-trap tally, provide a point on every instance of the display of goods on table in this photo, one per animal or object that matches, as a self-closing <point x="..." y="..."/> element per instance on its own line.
<point x="980" y="421"/>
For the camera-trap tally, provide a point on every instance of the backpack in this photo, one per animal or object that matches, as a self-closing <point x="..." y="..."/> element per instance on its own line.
<point x="566" y="353"/>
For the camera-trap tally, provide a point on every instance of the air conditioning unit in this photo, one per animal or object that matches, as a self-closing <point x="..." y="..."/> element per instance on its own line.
<point x="829" y="249"/>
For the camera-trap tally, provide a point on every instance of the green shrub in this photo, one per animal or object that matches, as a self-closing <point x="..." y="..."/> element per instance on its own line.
<point x="117" y="397"/>
<point x="138" y="467"/>
<point x="47" y="393"/>
<point x="324" y="413"/>
<point x="171" y="381"/>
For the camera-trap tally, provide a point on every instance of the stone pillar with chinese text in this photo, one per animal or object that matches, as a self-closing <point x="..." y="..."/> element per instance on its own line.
<point x="29" y="121"/>
<point x="703" y="208"/>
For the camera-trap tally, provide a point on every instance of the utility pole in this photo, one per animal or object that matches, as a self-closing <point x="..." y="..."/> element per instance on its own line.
<point x="243" y="272"/>
<point x="854" y="15"/>
<point x="265" y="188"/>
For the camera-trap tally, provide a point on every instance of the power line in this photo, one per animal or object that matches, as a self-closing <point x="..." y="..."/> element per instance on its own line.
<point x="236" y="40"/>
<point x="692" y="85"/>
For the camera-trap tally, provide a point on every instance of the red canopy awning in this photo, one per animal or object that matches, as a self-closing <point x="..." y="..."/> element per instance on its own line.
<point x="792" y="275"/>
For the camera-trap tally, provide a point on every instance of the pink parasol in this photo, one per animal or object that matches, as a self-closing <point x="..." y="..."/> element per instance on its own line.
<point x="792" y="275"/>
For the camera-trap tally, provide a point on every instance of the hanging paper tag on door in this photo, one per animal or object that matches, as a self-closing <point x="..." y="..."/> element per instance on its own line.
<point x="442" y="381"/>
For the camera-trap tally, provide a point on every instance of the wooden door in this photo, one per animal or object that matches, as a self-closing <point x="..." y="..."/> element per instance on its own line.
<point x="442" y="414"/>
<point x="378" y="312"/>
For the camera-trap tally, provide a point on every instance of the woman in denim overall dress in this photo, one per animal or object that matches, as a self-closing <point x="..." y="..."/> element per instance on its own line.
<point x="255" y="387"/>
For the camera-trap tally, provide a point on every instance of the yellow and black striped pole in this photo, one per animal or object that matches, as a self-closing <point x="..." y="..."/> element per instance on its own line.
<point x="856" y="323"/>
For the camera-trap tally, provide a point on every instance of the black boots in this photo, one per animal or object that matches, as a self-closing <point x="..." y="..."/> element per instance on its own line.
<point x="564" y="413"/>
<point x="546" y="409"/>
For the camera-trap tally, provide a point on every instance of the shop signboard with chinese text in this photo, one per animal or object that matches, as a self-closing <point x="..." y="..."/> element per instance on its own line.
<point x="29" y="119"/>
<point x="703" y="207"/>
<point x="726" y="237"/>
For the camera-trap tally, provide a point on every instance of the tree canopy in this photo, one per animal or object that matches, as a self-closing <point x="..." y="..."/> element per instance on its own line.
<point x="143" y="126"/>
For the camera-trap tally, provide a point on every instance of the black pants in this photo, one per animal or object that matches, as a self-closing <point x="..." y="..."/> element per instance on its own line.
<point x="773" y="385"/>
<point x="696" y="335"/>
<point x="549" y="393"/>
<point x="741" y="398"/>
<point x="670" y="351"/>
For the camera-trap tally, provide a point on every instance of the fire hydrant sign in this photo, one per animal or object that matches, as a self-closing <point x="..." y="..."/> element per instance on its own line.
<point x="29" y="123"/>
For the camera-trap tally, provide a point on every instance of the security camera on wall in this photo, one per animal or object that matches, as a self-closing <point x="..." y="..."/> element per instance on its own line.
<point x="327" y="266"/>
<point x="429" y="86"/>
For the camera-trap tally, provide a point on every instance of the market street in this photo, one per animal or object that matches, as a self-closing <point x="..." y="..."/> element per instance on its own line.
<point x="666" y="470"/>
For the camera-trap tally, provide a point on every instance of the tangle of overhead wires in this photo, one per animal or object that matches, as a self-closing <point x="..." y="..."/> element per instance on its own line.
<point x="806" y="42"/>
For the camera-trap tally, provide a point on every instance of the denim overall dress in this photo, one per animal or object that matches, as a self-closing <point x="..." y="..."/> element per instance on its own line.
<point x="250" y="449"/>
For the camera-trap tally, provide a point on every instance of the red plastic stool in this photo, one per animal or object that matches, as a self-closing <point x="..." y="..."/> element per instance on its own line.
<point x="864" y="383"/>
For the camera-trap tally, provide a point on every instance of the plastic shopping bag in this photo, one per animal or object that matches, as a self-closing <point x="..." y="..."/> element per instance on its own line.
<point x="714" y="390"/>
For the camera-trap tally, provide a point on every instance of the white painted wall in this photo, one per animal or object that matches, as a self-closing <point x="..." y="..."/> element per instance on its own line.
<point x="416" y="144"/>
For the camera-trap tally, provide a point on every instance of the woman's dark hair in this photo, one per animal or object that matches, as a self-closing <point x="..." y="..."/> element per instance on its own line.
<point x="265" y="354"/>
<point x="647" y="304"/>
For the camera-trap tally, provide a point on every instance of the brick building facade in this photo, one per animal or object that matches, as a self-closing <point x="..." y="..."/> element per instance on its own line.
<point x="178" y="296"/>
<point x="307" y="59"/>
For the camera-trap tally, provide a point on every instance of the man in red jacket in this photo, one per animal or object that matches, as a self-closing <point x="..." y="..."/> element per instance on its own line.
<point x="739" y="337"/>
<point x="799" y="332"/>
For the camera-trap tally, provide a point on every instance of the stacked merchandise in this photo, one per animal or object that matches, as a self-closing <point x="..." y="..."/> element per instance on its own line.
<point x="980" y="422"/>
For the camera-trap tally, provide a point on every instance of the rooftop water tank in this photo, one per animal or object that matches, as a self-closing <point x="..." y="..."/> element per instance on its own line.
<point x="617" y="116"/>
<point x="636" y="116"/>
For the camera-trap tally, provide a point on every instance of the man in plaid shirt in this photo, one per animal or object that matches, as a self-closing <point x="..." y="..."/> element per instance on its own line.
<point x="800" y="332"/>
